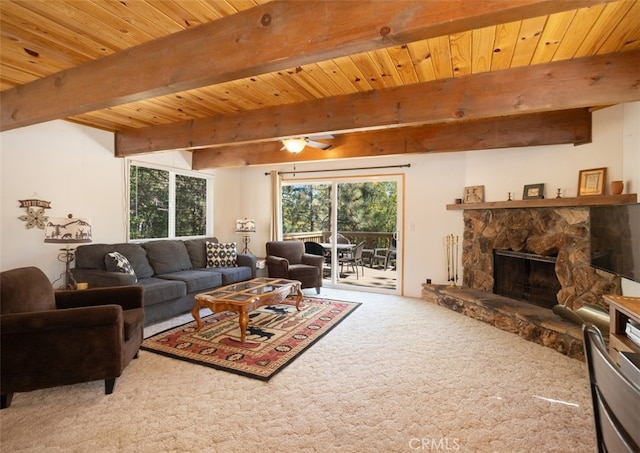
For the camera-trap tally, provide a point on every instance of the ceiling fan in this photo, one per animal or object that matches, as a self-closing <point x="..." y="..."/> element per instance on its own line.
<point x="296" y="144"/>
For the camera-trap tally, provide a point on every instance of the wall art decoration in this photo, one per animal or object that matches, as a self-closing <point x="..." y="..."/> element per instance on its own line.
<point x="35" y="212"/>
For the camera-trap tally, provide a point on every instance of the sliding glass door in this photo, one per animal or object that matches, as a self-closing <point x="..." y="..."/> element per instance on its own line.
<point x="356" y="223"/>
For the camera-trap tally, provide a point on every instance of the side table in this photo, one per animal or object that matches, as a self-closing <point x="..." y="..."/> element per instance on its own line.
<point x="261" y="267"/>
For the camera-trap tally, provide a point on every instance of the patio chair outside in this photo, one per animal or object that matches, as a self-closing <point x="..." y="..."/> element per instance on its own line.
<point x="354" y="260"/>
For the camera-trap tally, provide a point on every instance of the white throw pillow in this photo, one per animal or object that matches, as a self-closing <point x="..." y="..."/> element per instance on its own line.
<point x="221" y="254"/>
<point x="117" y="262"/>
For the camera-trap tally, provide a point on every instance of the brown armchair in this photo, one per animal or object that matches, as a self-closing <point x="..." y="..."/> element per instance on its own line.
<point x="287" y="259"/>
<point x="50" y="338"/>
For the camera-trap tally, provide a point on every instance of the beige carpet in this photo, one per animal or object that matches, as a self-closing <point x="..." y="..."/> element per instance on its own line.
<point x="398" y="375"/>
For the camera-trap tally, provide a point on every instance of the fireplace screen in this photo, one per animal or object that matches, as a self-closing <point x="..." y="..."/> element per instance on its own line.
<point x="526" y="277"/>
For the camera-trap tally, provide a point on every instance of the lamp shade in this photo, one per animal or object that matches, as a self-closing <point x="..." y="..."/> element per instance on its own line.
<point x="294" y="145"/>
<point x="245" y="226"/>
<point x="67" y="230"/>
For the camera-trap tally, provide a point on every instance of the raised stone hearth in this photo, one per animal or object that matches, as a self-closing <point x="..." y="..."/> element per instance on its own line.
<point x="531" y="322"/>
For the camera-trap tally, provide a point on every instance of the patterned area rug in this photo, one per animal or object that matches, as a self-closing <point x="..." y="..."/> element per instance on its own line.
<point x="276" y="335"/>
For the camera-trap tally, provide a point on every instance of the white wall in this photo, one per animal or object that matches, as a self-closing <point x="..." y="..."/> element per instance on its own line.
<point x="73" y="167"/>
<point x="631" y="147"/>
<point x="557" y="166"/>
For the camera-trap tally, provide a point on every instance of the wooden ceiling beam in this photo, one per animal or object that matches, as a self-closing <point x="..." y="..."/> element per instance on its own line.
<point x="549" y="128"/>
<point x="579" y="83"/>
<point x="271" y="37"/>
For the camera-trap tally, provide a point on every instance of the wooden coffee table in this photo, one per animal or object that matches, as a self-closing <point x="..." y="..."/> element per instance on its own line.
<point x="246" y="296"/>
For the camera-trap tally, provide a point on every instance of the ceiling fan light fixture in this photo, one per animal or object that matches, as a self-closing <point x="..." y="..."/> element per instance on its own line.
<point x="294" y="145"/>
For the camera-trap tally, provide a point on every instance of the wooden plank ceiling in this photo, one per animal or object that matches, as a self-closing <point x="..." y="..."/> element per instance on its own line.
<point x="228" y="79"/>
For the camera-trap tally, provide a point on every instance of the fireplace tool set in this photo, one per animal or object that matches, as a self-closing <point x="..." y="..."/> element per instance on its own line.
<point x="451" y="244"/>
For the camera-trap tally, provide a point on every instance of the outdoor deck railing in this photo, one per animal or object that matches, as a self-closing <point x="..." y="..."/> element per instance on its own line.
<point x="372" y="240"/>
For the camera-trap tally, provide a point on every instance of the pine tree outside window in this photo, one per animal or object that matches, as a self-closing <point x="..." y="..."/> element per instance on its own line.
<point x="165" y="204"/>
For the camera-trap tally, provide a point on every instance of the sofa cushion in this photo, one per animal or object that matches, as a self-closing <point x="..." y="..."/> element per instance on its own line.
<point x="195" y="280"/>
<point x="117" y="262"/>
<point x="137" y="256"/>
<point x="221" y="254"/>
<point x="230" y="275"/>
<point x="157" y="290"/>
<point x="197" y="249"/>
<point x="167" y="256"/>
<point x="91" y="256"/>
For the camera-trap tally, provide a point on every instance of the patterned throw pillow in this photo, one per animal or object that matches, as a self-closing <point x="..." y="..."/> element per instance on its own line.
<point x="117" y="262"/>
<point x="221" y="254"/>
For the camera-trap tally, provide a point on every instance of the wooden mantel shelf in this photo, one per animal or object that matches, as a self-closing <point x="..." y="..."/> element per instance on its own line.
<point x="591" y="200"/>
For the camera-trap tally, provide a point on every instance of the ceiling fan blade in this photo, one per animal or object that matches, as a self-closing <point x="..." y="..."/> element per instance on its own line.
<point x="318" y="145"/>
<point x="322" y="137"/>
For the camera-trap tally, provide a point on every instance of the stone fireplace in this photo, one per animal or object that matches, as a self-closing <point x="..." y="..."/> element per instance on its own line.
<point x="551" y="248"/>
<point x="559" y="235"/>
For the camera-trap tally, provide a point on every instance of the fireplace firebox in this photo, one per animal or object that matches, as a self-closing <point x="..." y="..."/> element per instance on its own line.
<point x="525" y="276"/>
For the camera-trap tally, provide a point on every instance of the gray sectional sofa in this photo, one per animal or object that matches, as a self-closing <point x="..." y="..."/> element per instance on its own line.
<point x="172" y="272"/>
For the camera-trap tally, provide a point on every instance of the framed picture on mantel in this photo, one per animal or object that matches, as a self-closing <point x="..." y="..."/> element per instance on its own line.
<point x="591" y="182"/>
<point x="473" y="194"/>
<point x="533" y="192"/>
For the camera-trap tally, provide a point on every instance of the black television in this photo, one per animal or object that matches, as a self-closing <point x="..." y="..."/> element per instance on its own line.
<point x="615" y="239"/>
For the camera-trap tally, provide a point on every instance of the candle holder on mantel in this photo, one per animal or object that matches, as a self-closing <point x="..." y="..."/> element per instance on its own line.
<point x="451" y="244"/>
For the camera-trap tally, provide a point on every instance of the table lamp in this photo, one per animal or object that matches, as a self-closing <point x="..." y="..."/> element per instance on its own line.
<point x="67" y="230"/>
<point x="245" y="227"/>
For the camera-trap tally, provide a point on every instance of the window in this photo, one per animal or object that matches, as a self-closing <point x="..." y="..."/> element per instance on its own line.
<point x="168" y="204"/>
<point x="191" y="206"/>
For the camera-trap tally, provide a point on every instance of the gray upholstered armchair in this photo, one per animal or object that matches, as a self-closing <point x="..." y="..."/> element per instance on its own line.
<point x="287" y="259"/>
<point x="50" y="338"/>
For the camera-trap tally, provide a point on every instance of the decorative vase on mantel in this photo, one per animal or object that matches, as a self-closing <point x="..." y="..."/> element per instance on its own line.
<point x="616" y="187"/>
